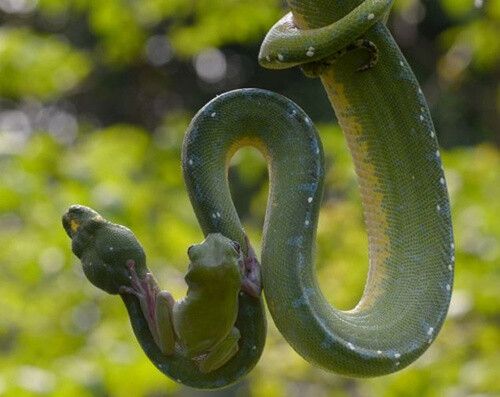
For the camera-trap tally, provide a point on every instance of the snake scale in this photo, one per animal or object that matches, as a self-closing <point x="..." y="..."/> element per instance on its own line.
<point x="391" y="138"/>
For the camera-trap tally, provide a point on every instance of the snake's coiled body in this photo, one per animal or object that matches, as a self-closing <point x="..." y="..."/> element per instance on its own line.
<point x="393" y="144"/>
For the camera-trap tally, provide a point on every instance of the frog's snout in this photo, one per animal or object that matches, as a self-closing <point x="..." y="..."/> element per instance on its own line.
<point x="75" y="216"/>
<point x="70" y="224"/>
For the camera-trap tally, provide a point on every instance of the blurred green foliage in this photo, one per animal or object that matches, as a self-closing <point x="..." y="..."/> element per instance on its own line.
<point x="23" y="73"/>
<point x="94" y="99"/>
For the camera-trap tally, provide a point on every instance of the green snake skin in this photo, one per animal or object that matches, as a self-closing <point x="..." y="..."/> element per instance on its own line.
<point x="393" y="144"/>
<point x="391" y="138"/>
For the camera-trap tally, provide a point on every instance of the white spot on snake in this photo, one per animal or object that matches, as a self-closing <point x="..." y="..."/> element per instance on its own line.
<point x="254" y="347"/>
<point x="350" y="345"/>
<point x="370" y="16"/>
<point x="280" y="57"/>
<point x="218" y="214"/>
<point x="401" y="63"/>
<point x="309" y="200"/>
<point x="268" y="59"/>
<point x="450" y="268"/>
<point x="438" y="207"/>
<point x="190" y="162"/>
<point x="306" y="119"/>
<point x="379" y="351"/>
<point x="432" y="134"/>
<point x="304" y="299"/>
<point x="448" y="287"/>
<point x="213" y="114"/>
<point x="214" y="215"/>
<point x="111" y="248"/>
<point x="430" y="331"/>
<point x="441" y="181"/>
<point x="429" y="341"/>
<point x="421" y="117"/>
<point x="438" y="154"/>
<point x="301" y="259"/>
<point x="397" y="364"/>
<point x="397" y="355"/>
<point x="452" y="246"/>
<point x="453" y="258"/>
<point x="310" y="51"/>
<point x="306" y="223"/>
<point x="317" y="150"/>
<point x="420" y="91"/>
<point x="295" y="241"/>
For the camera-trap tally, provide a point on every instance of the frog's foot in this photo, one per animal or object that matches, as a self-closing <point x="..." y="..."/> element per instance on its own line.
<point x="222" y="353"/>
<point x="251" y="281"/>
<point x="145" y="290"/>
<point x="156" y="306"/>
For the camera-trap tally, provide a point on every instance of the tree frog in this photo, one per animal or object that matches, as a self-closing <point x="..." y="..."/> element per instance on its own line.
<point x="199" y="326"/>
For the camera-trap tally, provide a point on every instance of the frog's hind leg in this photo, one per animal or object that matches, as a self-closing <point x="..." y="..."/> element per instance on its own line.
<point x="164" y="322"/>
<point x="222" y="353"/>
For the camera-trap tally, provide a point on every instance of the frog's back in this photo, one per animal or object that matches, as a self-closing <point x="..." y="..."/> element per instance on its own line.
<point x="202" y="326"/>
<point x="209" y="310"/>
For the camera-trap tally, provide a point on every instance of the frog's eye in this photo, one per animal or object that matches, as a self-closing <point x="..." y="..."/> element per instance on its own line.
<point x="190" y="248"/>
<point x="236" y="246"/>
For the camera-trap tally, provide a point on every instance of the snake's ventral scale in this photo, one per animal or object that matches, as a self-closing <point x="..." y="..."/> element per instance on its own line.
<point x="391" y="138"/>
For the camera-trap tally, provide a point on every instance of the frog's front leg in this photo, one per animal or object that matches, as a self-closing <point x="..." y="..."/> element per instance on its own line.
<point x="156" y="307"/>
<point x="224" y="351"/>
<point x="251" y="282"/>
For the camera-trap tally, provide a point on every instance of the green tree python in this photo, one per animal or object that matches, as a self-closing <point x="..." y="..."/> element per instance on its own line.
<point x="391" y="138"/>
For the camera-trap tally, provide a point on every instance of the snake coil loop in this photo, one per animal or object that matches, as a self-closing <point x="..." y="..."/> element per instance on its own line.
<point x="286" y="45"/>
